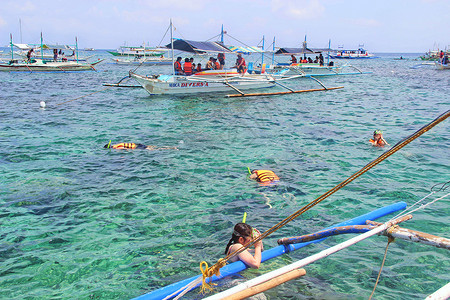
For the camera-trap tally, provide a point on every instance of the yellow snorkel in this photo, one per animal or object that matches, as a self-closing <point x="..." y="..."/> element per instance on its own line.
<point x="109" y="144"/>
<point x="245" y="217"/>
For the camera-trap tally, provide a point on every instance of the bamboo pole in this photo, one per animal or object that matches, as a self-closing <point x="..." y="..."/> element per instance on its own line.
<point x="416" y="236"/>
<point x="283" y="93"/>
<point x="307" y="260"/>
<point x="267" y="285"/>
<point x="440" y="294"/>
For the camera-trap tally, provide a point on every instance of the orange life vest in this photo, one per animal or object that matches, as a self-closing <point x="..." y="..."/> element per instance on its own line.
<point x="378" y="143"/>
<point x="188" y="67"/>
<point x="216" y="66"/>
<point x="124" y="146"/>
<point x="177" y="66"/>
<point x="266" y="176"/>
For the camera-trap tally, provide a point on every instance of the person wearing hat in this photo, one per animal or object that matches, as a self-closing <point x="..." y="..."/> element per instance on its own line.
<point x="240" y="64"/>
<point x="378" y="139"/>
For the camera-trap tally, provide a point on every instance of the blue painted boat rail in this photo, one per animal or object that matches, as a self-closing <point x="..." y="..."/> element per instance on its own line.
<point x="270" y="253"/>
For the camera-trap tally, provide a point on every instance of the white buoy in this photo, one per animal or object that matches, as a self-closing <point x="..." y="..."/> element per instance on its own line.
<point x="42" y="104"/>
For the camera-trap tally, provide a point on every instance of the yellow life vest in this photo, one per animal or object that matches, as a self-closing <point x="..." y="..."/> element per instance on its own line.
<point x="124" y="146"/>
<point x="266" y="176"/>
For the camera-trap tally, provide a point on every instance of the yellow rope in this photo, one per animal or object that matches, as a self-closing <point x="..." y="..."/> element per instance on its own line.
<point x="366" y="168"/>
<point x="390" y="240"/>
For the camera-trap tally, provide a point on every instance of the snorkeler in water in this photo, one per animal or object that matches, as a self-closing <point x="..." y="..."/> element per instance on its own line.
<point x="378" y="139"/>
<point x="241" y="237"/>
<point x="136" y="146"/>
<point x="264" y="176"/>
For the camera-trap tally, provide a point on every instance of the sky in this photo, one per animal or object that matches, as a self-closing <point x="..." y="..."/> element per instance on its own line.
<point x="403" y="26"/>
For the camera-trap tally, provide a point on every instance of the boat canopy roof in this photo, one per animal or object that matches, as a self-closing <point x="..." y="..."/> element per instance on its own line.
<point x="247" y="50"/>
<point x="197" y="47"/>
<point x="300" y="50"/>
<point x="45" y="46"/>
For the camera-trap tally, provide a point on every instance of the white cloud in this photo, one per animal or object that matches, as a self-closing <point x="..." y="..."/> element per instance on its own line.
<point x="304" y="9"/>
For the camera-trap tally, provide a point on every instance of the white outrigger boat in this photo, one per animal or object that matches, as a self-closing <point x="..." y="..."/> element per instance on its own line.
<point x="210" y="81"/>
<point x="40" y="65"/>
<point x="147" y="61"/>
<point x="203" y="82"/>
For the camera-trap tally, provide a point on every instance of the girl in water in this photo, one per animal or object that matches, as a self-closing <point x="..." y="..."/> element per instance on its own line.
<point x="242" y="235"/>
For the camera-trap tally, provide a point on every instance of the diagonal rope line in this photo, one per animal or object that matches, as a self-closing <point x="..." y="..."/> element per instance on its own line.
<point x="216" y="267"/>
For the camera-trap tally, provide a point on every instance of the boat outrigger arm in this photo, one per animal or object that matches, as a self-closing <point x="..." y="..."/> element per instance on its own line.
<point x="291" y="91"/>
<point x="174" y="289"/>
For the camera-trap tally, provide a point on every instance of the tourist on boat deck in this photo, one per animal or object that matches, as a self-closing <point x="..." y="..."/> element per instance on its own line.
<point x="177" y="66"/>
<point x="29" y="54"/>
<point x="187" y="68"/>
<point x="293" y="59"/>
<point x="216" y="64"/>
<point x="441" y="56"/>
<point x="199" y="67"/>
<point x="240" y="64"/>
<point x="210" y="64"/>
<point x="136" y="146"/>
<point x="310" y="60"/>
<point x="264" y="176"/>
<point x="378" y="139"/>
<point x="321" y="59"/>
<point x="55" y="54"/>
<point x="221" y="59"/>
<point x="316" y="60"/>
<point x="242" y="235"/>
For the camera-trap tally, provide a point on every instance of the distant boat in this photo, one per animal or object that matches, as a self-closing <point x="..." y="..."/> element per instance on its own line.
<point x="147" y="61"/>
<point x="442" y="66"/>
<point x="89" y="49"/>
<point x="137" y="51"/>
<point x="360" y="53"/>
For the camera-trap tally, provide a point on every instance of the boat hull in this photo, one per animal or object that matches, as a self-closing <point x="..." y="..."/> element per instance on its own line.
<point x="39" y="66"/>
<point x="182" y="85"/>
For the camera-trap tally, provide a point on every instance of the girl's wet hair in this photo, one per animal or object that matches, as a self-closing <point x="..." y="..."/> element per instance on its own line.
<point x="240" y="230"/>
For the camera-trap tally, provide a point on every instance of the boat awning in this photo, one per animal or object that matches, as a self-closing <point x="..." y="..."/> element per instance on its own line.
<point x="197" y="47"/>
<point x="247" y="50"/>
<point x="59" y="47"/>
<point x="296" y="51"/>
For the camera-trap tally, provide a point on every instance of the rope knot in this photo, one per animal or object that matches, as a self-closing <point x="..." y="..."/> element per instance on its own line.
<point x="209" y="272"/>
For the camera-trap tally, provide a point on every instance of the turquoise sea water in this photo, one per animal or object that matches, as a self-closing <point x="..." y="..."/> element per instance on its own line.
<point x="80" y="221"/>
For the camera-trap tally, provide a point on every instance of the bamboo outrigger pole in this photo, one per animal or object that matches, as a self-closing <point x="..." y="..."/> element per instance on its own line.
<point x="282" y="93"/>
<point x="303" y="262"/>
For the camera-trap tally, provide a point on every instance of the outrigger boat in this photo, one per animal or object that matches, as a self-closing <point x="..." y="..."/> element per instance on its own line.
<point x="147" y="61"/>
<point x="39" y="65"/>
<point x="211" y="81"/>
<point x="137" y="51"/>
<point x="359" y="53"/>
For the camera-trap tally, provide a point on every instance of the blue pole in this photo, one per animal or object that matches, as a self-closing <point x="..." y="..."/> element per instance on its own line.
<point x="273" y="53"/>
<point x="271" y="253"/>
<point x="221" y="35"/>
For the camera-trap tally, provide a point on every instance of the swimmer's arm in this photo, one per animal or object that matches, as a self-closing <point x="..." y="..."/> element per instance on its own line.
<point x="250" y="260"/>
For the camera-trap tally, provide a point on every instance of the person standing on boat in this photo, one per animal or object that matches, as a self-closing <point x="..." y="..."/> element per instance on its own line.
<point x="240" y="64"/>
<point x="441" y="56"/>
<point x="55" y="54"/>
<point x="321" y="59"/>
<point x="241" y="237"/>
<point x="221" y="58"/>
<point x="187" y="68"/>
<point x="177" y="66"/>
<point x="378" y="139"/>
<point x="29" y="55"/>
